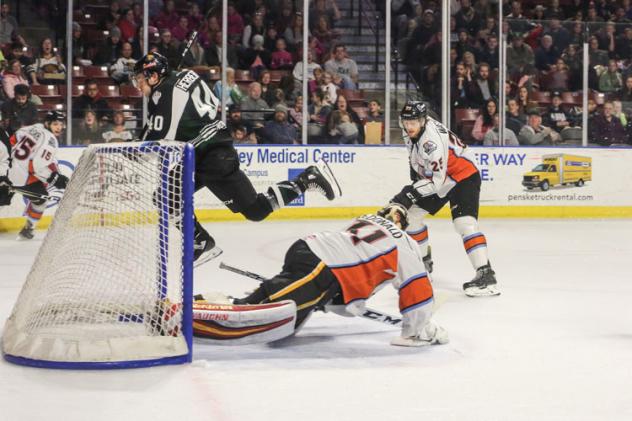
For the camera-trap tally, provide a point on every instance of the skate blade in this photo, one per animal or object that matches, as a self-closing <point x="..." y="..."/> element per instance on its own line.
<point x="207" y="256"/>
<point x="23" y="238"/>
<point x="328" y="173"/>
<point x="488" y="291"/>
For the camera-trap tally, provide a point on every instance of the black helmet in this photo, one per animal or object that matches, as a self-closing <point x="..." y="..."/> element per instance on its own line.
<point x="54" y="116"/>
<point x="413" y="110"/>
<point x="152" y="63"/>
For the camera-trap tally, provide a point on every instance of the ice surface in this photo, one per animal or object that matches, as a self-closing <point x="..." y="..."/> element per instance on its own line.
<point x="556" y="345"/>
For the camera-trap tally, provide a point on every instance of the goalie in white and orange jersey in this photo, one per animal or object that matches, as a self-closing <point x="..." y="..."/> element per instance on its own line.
<point x="443" y="170"/>
<point x="338" y="271"/>
<point x="29" y="163"/>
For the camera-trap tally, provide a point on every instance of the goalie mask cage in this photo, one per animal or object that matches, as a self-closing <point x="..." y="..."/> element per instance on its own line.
<point x="111" y="286"/>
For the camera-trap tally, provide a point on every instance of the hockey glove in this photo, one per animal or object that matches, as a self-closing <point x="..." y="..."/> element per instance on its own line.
<point x="58" y="180"/>
<point x="4" y="181"/>
<point x="407" y="197"/>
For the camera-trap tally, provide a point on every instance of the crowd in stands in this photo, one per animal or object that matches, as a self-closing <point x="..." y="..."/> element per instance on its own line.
<point x="544" y="67"/>
<point x="264" y="67"/>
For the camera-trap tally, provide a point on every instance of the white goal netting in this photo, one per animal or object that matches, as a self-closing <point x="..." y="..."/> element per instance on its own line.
<point x="112" y="281"/>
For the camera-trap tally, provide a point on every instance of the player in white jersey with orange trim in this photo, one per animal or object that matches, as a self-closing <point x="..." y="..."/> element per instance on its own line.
<point x="31" y="166"/>
<point x="340" y="270"/>
<point x="443" y="170"/>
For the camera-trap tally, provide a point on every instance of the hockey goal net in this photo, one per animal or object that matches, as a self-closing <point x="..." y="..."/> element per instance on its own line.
<point x="111" y="284"/>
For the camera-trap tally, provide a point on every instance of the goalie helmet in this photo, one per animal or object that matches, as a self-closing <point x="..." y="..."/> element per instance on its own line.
<point x="395" y="213"/>
<point x="152" y="63"/>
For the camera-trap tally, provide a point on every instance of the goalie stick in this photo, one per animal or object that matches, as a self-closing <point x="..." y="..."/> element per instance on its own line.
<point x="369" y="313"/>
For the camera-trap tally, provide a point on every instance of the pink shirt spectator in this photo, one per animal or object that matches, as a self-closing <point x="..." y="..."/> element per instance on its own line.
<point x="166" y="20"/>
<point x="10" y="80"/>
<point x="235" y="25"/>
<point x="128" y="30"/>
<point x="281" y="60"/>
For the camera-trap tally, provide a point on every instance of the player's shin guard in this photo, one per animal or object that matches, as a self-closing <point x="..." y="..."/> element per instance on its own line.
<point x="419" y="232"/>
<point x="474" y="241"/>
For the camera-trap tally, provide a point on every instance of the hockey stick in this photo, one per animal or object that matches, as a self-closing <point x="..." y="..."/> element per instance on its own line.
<point x="369" y="313"/>
<point x="187" y="47"/>
<point x="30" y="194"/>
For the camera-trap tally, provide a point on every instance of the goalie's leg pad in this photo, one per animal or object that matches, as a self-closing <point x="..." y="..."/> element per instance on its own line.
<point x="227" y="324"/>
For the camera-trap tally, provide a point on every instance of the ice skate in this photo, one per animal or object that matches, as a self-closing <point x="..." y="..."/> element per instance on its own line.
<point x="321" y="180"/>
<point x="483" y="284"/>
<point x="204" y="249"/>
<point x="27" y="233"/>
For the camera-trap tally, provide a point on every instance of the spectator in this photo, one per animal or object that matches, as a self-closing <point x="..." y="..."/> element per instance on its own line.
<point x="256" y="58"/>
<point x="606" y="129"/>
<point x="79" y="47"/>
<point x="311" y="65"/>
<point x="557" y="78"/>
<point x="253" y="102"/>
<point x="8" y="24"/>
<point x="325" y="34"/>
<point x="122" y="70"/>
<point x="137" y="9"/>
<point x="484" y="9"/>
<point x="127" y="25"/>
<point x="574" y="64"/>
<point x="491" y="138"/>
<point x="606" y="37"/>
<point x="285" y="18"/>
<point x="112" y="16"/>
<point x="281" y="58"/>
<point x="18" y="52"/>
<point x="195" y="17"/>
<point x="538" y="14"/>
<point x="420" y="36"/>
<point x="617" y="112"/>
<point x="329" y="87"/>
<point x="489" y="53"/>
<point x="319" y="111"/>
<point x="295" y="115"/>
<point x="611" y="80"/>
<point x="524" y="103"/>
<point x="256" y="27"/>
<point x="294" y="34"/>
<point x="89" y="130"/>
<point x="342" y="65"/>
<point x="91" y="100"/>
<point x="483" y="88"/>
<point x="236" y="122"/>
<point x="559" y="120"/>
<point x="19" y="111"/>
<point x="168" y="47"/>
<point x="534" y="133"/>
<point x="108" y="52"/>
<point x="213" y="53"/>
<point x="240" y="135"/>
<point x="519" y="54"/>
<point x="464" y="44"/>
<point x="181" y="31"/>
<point x="234" y="94"/>
<point x="279" y="130"/>
<point x="320" y="9"/>
<point x="468" y="18"/>
<point x="48" y="66"/>
<point x="343" y="123"/>
<point x="546" y="55"/>
<point x="375" y="112"/>
<point x="12" y="77"/>
<point x="209" y="30"/>
<point x="287" y="86"/>
<point x="268" y="90"/>
<point x="235" y="24"/>
<point x="625" y="93"/>
<point x="517" y="22"/>
<point x="485" y="120"/>
<point x="168" y="18"/>
<point x="595" y="54"/>
<point x="578" y="33"/>
<point x="514" y="118"/>
<point x="555" y="12"/>
<point x="623" y="48"/>
<point x="560" y="35"/>
<point x="317" y="47"/>
<point x="460" y="87"/>
<point x="117" y="131"/>
<point x="196" y="56"/>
